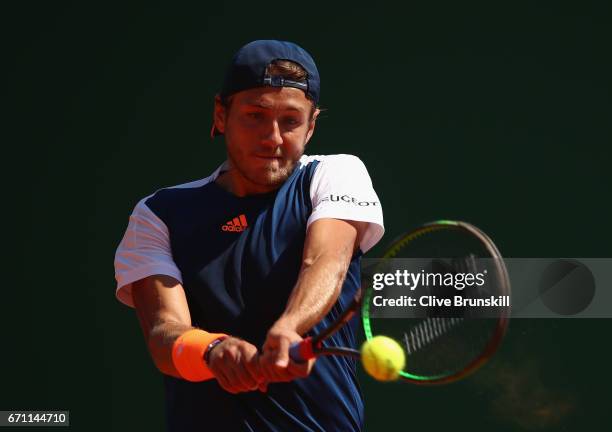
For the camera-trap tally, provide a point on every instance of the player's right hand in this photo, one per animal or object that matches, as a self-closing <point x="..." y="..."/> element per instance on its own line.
<point x="235" y="365"/>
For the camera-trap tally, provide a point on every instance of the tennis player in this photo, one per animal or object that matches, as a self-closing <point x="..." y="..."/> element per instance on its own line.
<point x="225" y="273"/>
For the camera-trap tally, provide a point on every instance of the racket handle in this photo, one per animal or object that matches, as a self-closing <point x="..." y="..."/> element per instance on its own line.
<point x="301" y="352"/>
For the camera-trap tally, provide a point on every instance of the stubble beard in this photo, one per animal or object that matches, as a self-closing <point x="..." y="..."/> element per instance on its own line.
<point x="271" y="177"/>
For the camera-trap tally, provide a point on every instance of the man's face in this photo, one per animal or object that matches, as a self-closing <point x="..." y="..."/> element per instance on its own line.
<point x="266" y="130"/>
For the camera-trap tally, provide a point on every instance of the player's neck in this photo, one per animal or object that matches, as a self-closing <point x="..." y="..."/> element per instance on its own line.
<point x="236" y="184"/>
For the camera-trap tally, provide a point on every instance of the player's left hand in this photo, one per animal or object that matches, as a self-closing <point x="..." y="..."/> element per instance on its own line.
<point x="274" y="362"/>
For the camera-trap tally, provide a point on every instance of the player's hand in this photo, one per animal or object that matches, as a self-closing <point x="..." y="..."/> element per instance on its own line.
<point x="235" y="365"/>
<point x="274" y="362"/>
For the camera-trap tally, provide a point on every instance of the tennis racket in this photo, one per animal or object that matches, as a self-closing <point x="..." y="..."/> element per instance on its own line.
<point x="441" y="344"/>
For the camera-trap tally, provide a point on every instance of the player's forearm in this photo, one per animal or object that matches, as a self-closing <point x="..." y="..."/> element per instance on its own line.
<point x="160" y="344"/>
<point x="317" y="289"/>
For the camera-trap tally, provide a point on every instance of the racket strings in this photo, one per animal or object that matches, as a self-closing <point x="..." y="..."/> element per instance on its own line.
<point x="466" y="264"/>
<point x="428" y="331"/>
<point x="447" y="342"/>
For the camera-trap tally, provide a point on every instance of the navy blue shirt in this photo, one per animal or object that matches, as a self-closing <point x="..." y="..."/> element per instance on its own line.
<point x="238" y="259"/>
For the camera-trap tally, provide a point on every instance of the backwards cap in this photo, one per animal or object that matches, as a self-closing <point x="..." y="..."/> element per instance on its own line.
<point x="247" y="70"/>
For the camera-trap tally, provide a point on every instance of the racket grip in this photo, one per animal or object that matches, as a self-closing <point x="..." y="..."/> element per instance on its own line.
<point x="301" y="352"/>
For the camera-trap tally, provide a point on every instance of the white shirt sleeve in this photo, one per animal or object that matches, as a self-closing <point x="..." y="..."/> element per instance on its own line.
<point x="341" y="189"/>
<point x="143" y="251"/>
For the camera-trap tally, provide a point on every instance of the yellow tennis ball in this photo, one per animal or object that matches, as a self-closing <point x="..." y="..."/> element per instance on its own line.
<point x="382" y="358"/>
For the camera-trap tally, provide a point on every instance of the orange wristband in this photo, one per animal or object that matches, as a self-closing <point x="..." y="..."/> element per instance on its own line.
<point x="188" y="354"/>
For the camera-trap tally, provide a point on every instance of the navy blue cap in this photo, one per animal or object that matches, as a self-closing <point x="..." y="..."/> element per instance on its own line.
<point x="247" y="69"/>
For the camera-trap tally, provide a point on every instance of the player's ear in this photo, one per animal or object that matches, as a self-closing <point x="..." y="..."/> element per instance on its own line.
<point x="311" y="126"/>
<point x="219" y="115"/>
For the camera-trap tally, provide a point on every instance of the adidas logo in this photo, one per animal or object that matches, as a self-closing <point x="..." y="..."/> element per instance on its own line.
<point x="238" y="224"/>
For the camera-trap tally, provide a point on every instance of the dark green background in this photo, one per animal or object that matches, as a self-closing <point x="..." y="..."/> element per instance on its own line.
<point x="494" y="113"/>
